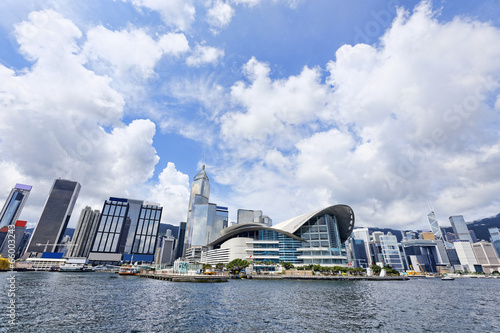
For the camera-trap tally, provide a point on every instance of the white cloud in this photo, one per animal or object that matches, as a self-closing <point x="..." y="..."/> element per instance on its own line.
<point x="219" y="15"/>
<point x="130" y="52"/>
<point x="172" y="191"/>
<point x="179" y="14"/>
<point x="394" y="126"/>
<point x="203" y="54"/>
<point x="53" y="116"/>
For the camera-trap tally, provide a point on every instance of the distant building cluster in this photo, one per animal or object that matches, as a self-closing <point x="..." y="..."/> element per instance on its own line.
<point x="128" y="231"/>
<point x="427" y="252"/>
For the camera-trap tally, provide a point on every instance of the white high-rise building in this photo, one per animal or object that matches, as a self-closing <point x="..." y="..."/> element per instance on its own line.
<point x="390" y="252"/>
<point x="466" y="255"/>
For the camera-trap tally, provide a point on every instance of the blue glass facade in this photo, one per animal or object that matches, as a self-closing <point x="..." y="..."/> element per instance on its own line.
<point x="127" y="227"/>
<point x="14" y="204"/>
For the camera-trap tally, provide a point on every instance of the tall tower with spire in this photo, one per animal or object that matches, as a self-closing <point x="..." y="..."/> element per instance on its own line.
<point x="200" y="192"/>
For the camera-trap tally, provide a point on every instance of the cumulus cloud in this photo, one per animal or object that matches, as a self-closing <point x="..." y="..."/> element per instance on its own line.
<point x="203" y="54"/>
<point x="172" y="190"/>
<point x="132" y="50"/>
<point x="179" y="14"/>
<point x="219" y="15"/>
<point x="60" y="119"/>
<point x="393" y="126"/>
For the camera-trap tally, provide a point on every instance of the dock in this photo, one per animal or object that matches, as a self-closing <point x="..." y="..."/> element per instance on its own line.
<point x="186" y="278"/>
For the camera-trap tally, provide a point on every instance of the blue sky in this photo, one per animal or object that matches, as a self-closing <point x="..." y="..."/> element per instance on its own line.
<point x="292" y="105"/>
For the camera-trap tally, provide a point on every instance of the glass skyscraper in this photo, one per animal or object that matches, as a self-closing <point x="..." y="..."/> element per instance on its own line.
<point x="127" y="230"/>
<point x="436" y="230"/>
<point x="390" y="252"/>
<point x="205" y="220"/>
<point x="56" y="213"/>
<point x="196" y="225"/>
<point x="14" y="204"/>
<point x="460" y="228"/>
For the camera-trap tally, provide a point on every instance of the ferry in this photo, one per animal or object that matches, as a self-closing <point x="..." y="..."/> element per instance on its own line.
<point x="129" y="270"/>
<point x="76" y="265"/>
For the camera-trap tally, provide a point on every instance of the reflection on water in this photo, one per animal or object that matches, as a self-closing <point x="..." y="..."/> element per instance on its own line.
<point x="90" y="302"/>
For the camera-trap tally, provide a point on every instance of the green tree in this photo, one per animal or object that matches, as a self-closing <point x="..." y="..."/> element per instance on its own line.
<point x="390" y="271"/>
<point x="376" y="269"/>
<point x="287" y="265"/>
<point x="220" y="266"/>
<point x="205" y="266"/>
<point x="237" y="265"/>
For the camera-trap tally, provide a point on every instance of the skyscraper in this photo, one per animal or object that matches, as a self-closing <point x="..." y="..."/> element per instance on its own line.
<point x="200" y="191"/>
<point x="495" y="238"/>
<point x="55" y="216"/>
<point x="6" y="246"/>
<point x="390" y="252"/>
<point x="205" y="220"/>
<point x="460" y="228"/>
<point x="14" y="204"/>
<point x="466" y="255"/>
<point x="253" y="216"/>
<point x="181" y="236"/>
<point x="84" y="235"/>
<point x="127" y="230"/>
<point x="436" y="230"/>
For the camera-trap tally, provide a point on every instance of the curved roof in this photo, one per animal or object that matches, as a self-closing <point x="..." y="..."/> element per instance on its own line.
<point x="234" y="230"/>
<point x="343" y="213"/>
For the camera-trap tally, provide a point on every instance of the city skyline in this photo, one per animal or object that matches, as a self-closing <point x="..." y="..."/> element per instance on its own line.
<point x="291" y="105"/>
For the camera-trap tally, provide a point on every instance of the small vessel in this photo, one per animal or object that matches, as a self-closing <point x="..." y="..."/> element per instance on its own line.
<point x="129" y="270"/>
<point x="76" y="265"/>
<point x="447" y="278"/>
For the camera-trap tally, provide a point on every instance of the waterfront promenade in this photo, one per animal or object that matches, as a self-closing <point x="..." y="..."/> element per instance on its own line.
<point x="225" y="278"/>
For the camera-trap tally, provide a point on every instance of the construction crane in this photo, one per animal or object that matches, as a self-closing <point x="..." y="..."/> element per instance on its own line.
<point x="56" y="244"/>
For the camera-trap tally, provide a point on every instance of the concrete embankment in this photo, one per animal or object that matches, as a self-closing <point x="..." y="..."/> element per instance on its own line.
<point x="330" y="277"/>
<point x="185" y="278"/>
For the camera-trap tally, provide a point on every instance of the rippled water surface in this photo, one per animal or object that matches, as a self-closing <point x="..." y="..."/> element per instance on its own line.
<point x="93" y="302"/>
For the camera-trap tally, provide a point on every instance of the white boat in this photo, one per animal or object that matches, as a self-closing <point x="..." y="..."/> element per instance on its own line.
<point x="129" y="270"/>
<point x="76" y="265"/>
<point x="447" y="278"/>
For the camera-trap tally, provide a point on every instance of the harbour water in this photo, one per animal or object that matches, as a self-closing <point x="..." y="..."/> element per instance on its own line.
<point x="104" y="302"/>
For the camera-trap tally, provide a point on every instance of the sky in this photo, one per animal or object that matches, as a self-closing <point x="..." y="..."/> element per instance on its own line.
<point x="390" y="107"/>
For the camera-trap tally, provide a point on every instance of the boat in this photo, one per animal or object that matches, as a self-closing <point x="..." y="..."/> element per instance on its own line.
<point x="129" y="270"/>
<point x="447" y="278"/>
<point x="76" y="265"/>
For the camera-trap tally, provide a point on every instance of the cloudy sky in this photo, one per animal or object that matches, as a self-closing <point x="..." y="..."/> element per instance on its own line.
<point x="293" y="105"/>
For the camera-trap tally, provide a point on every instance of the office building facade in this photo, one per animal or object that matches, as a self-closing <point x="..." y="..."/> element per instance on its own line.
<point x="313" y="238"/>
<point x="253" y="216"/>
<point x="127" y="231"/>
<point x="435" y="229"/>
<point x="56" y="213"/>
<point x="390" y="252"/>
<point x="495" y="238"/>
<point x="460" y="228"/>
<point x="205" y="220"/>
<point x="466" y="255"/>
<point x="84" y="234"/>
<point x="486" y="256"/>
<point x="14" y="204"/>
<point x="427" y="255"/>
